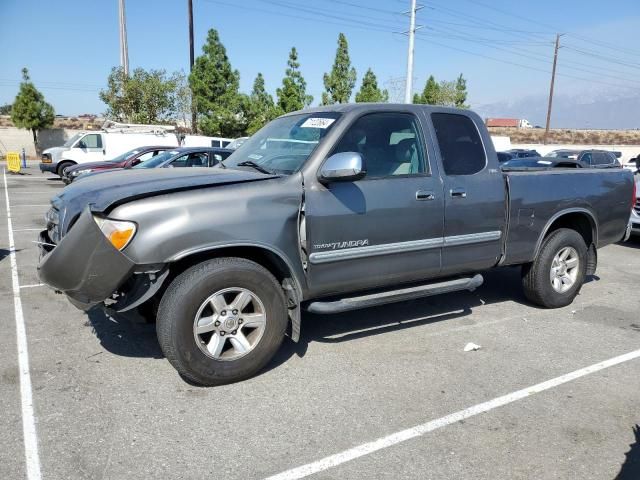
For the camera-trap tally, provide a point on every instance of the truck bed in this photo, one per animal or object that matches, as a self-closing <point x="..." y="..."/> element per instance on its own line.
<point x="535" y="198"/>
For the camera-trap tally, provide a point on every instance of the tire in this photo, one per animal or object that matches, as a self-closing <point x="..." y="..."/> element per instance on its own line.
<point x="61" y="168"/>
<point x="537" y="277"/>
<point x="189" y="297"/>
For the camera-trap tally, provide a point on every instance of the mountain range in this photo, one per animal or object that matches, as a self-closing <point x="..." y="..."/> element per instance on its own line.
<point x="584" y="111"/>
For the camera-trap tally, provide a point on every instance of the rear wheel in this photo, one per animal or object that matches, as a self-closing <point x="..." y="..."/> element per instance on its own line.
<point x="221" y="321"/>
<point x="555" y="277"/>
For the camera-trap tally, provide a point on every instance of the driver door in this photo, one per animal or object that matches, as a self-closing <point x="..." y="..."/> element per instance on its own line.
<point x="386" y="228"/>
<point x="92" y="147"/>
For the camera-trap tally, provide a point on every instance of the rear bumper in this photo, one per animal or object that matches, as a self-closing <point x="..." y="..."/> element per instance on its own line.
<point x="84" y="265"/>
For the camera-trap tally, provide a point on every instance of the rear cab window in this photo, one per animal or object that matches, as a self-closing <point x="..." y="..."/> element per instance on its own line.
<point x="461" y="147"/>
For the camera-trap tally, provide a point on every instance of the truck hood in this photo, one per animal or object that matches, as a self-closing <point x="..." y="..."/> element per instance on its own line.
<point x="102" y="192"/>
<point x="54" y="150"/>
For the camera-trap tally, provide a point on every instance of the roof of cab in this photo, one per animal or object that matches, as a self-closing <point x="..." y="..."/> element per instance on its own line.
<point x="351" y="107"/>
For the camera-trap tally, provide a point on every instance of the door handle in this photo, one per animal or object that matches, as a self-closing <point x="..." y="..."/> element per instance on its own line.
<point x="424" y="195"/>
<point x="458" y="192"/>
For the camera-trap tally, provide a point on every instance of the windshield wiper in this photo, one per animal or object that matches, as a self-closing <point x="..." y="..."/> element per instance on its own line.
<point x="251" y="163"/>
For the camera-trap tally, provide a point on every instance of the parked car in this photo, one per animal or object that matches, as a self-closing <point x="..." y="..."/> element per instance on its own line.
<point x="635" y="213"/>
<point x="187" y="157"/>
<point x="126" y="160"/>
<point x="633" y="165"/>
<point x="523" y="153"/>
<point x="505" y="156"/>
<point x="599" y="159"/>
<point x="176" y="158"/>
<point x="113" y="140"/>
<point x="532" y="163"/>
<point x="327" y="209"/>
<point x="203" y="141"/>
<point x="564" y="153"/>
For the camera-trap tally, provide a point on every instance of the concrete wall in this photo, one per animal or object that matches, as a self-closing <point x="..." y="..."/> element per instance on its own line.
<point x="14" y="139"/>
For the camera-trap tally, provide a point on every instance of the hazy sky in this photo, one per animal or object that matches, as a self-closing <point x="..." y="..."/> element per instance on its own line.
<point x="69" y="46"/>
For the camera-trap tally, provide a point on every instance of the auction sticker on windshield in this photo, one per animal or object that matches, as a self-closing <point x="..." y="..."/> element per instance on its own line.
<point x="317" y="122"/>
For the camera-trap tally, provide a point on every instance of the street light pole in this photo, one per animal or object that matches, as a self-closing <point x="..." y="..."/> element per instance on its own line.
<point x="194" y="119"/>
<point x="412" y="31"/>
<point x="124" y="50"/>
<point x="553" y="79"/>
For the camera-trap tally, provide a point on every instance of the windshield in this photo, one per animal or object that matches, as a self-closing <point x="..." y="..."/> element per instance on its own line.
<point x="122" y="157"/>
<point x="158" y="159"/>
<point x="72" y="140"/>
<point x="285" y="144"/>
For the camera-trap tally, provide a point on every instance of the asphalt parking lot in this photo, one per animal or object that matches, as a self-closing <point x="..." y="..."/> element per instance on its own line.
<point x="107" y="405"/>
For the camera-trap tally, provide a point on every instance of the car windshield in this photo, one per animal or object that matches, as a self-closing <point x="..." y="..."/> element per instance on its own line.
<point x="284" y="144"/>
<point x="158" y="159"/>
<point x="72" y="140"/>
<point x="122" y="157"/>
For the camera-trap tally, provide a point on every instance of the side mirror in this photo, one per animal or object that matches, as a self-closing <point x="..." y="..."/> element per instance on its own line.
<point x="81" y="144"/>
<point x="343" y="167"/>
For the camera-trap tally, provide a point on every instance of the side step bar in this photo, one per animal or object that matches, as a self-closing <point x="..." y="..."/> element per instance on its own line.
<point x="391" y="296"/>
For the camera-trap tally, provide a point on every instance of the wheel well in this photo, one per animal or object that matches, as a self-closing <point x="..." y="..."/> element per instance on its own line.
<point x="578" y="221"/>
<point x="269" y="260"/>
<point x="62" y="164"/>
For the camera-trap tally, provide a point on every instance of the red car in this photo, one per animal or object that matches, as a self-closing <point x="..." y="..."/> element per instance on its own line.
<point x="126" y="160"/>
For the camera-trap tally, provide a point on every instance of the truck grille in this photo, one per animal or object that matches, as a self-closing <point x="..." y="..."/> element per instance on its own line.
<point x="52" y="218"/>
<point x="637" y="206"/>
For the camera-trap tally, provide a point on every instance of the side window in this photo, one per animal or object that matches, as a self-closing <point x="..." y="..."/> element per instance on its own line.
<point x="144" y="157"/>
<point x="461" y="148"/>
<point x="586" y="158"/>
<point x="390" y="144"/>
<point x="90" y="141"/>
<point x="602" y="158"/>
<point x="180" y="161"/>
<point x="198" y="159"/>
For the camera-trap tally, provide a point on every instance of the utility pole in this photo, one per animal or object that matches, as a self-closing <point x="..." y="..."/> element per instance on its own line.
<point x="412" y="32"/>
<point x="553" y="80"/>
<point x="124" y="50"/>
<point x="194" y="120"/>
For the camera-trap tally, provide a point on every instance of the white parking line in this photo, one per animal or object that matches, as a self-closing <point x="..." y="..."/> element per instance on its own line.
<point x="31" y="205"/>
<point x="26" y="396"/>
<point x="33" y="285"/>
<point x="27" y="229"/>
<point x="404" y="435"/>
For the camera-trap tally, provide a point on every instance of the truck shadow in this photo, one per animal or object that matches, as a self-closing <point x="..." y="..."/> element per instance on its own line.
<point x="129" y="335"/>
<point x="500" y="285"/>
<point x="630" y="469"/>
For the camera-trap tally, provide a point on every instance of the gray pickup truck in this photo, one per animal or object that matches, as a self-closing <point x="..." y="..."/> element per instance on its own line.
<point x="326" y="210"/>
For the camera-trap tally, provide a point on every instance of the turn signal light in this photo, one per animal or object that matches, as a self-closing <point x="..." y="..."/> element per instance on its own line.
<point x="118" y="232"/>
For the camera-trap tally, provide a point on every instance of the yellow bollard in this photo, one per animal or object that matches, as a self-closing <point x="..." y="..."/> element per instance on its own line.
<point x="13" y="162"/>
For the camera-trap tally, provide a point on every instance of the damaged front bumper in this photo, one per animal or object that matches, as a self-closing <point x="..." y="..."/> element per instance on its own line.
<point x="84" y="265"/>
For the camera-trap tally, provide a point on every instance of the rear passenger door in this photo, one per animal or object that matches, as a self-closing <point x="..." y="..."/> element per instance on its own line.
<point x="474" y="196"/>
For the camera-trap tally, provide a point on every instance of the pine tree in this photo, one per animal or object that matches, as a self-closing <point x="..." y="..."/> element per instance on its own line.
<point x="461" y="92"/>
<point x="293" y="94"/>
<point x="369" y="91"/>
<point x="261" y="108"/>
<point x="30" y="110"/>
<point x="431" y="93"/>
<point x="340" y="82"/>
<point x="214" y="86"/>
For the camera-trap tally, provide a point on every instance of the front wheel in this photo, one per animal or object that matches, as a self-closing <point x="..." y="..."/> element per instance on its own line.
<point x="555" y="277"/>
<point x="221" y="321"/>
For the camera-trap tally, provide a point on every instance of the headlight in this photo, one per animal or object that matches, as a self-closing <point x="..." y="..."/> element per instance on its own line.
<point x="75" y="173"/>
<point x="118" y="232"/>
